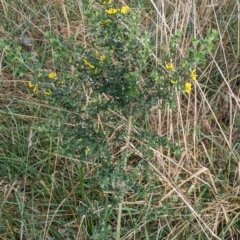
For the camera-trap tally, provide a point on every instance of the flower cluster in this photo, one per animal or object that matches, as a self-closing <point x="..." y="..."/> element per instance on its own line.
<point x="52" y="75"/>
<point x="187" y="86"/>
<point x="34" y="87"/>
<point x="87" y="63"/>
<point x="170" y="67"/>
<point x="193" y="75"/>
<point x="31" y="85"/>
<point x="97" y="56"/>
<point x="101" y="57"/>
<point x="48" y="92"/>
<point x="112" y="11"/>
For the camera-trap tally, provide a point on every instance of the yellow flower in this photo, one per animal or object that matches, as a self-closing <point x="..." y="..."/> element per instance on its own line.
<point x="124" y="9"/>
<point x="86" y="63"/>
<point x="188" y="87"/>
<point x="34" y="89"/>
<point x="48" y="92"/>
<point x="193" y="75"/>
<point x="169" y="66"/>
<point x="111" y="11"/>
<point x="173" y="81"/>
<point x="52" y="75"/>
<point x="102" y="58"/>
<point x="30" y="84"/>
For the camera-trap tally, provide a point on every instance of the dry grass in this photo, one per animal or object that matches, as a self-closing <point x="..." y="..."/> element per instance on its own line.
<point x="40" y="189"/>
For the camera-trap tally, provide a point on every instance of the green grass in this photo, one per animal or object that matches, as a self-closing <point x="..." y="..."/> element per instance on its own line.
<point x="50" y="189"/>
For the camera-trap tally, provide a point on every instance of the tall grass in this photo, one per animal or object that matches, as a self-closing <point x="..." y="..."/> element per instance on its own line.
<point x="46" y="194"/>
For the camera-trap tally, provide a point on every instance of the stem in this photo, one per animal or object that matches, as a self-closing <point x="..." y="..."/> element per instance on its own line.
<point x="125" y="170"/>
<point x="119" y="220"/>
<point x="128" y="138"/>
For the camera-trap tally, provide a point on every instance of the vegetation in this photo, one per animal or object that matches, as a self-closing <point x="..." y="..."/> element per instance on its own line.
<point x="119" y="120"/>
